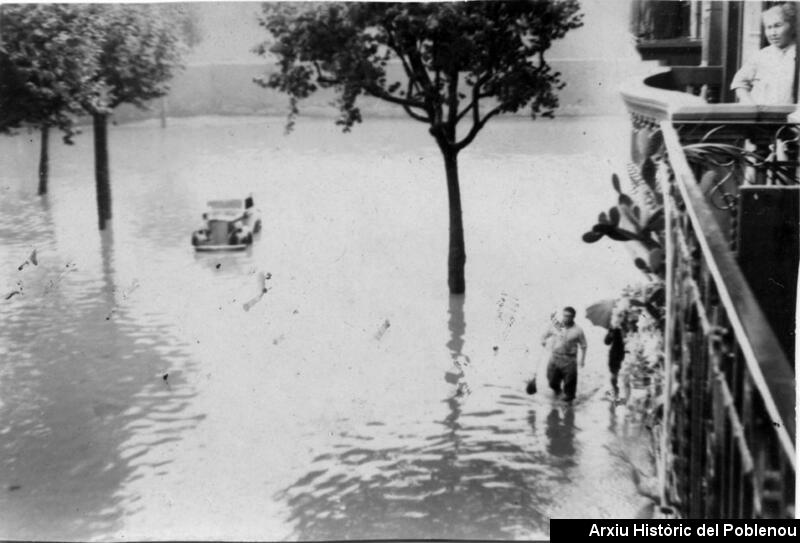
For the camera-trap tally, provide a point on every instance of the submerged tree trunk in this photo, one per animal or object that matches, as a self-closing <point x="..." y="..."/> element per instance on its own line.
<point x="44" y="159"/>
<point x="101" y="171"/>
<point x="163" y="112"/>
<point x="457" y="256"/>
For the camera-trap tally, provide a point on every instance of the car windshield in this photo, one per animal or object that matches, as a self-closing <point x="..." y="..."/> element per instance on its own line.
<point x="223" y="205"/>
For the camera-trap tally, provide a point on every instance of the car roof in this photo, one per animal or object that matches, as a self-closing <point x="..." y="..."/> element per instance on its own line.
<point x="227" y="203"/>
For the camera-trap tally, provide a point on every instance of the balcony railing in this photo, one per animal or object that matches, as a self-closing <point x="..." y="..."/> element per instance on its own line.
<point x="727" y="450"/>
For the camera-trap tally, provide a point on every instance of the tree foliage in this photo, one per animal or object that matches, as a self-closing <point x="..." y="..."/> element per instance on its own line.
<point x="59" y="61"/>
<point x="442" y="62"/>
<point x="47" y="63"/>
<point x="139" y="53"/>
<point x="457" y="60"/>
<point x="185" y="17"/>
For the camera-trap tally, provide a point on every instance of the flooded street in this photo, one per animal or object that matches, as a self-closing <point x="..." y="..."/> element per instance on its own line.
<point x="356" y="398"/>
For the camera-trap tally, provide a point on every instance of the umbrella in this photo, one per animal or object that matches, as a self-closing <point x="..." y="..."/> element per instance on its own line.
<point x="599" y="313"/>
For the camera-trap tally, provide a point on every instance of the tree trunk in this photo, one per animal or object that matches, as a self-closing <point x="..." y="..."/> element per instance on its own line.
<point x="44" y="160"/>
<point x="163" y="112"/>
<point x="101" y="172"/>
<point x="457" y="256"/>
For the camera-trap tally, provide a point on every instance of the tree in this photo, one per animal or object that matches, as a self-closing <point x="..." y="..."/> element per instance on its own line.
<point x="459" y="63"/>
<point x="46" y="63"/>
<point x="186" y="18"/>
<point x="139" y="52"/>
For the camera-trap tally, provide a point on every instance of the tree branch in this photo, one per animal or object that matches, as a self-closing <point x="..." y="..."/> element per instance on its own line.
<point x="323" y="79"/>
<point x="452" y="105"/>
<point x="476" y="115"/>
<point x="378" y="92"/>
<point x="476" y="126"/>
<point x="466" y="110"/>
<point x="416" y="116"/>
<point x="419" y="68"/>
<point x="437" y="82"/>
<point x="476" y="95"/>
<point x="412" y="78"/>
<point x="432" y="105"/>
<point x="411" y="113"/>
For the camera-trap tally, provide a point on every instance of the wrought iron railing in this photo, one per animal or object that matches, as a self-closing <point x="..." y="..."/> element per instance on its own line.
<point x="728" y="422"/>
<point x="726" y="158"/>
<point x="728" y="145"/>
<point x="733" y="452"/>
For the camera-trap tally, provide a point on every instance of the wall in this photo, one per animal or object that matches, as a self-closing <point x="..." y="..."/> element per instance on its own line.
<point x="218" y="80"/>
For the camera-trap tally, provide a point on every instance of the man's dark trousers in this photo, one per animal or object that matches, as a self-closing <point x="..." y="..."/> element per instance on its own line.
<point x="563" y="367"/>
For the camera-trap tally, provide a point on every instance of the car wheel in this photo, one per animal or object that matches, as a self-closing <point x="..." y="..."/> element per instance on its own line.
<point x="257" y="227"/>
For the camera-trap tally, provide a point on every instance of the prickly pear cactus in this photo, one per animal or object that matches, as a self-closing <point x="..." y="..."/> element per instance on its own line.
<point x="627" y="221"/>
<point x="639" y="216"/>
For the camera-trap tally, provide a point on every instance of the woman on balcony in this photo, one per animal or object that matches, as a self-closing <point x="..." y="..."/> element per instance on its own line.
<point x="768" y="79"/>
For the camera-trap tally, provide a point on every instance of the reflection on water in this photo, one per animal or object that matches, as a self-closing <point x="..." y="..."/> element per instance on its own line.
<point x="458" y="483"/>
<point x="464" y="474"/>
<point x="82" y="403"/>
<point x="455" y="477"/>
<point x="561" y="432"/>
<point x="457" y="326"/>
<point x="139" y="400"/>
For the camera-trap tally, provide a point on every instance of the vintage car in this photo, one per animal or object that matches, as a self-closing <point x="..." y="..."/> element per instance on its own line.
<point x="230" y="225"/>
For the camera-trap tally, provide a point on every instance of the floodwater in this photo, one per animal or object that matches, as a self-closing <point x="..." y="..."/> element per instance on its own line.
<point x="355" y="398"/>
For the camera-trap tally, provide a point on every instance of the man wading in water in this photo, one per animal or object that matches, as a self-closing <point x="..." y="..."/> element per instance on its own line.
<point x="563" y="365"/>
